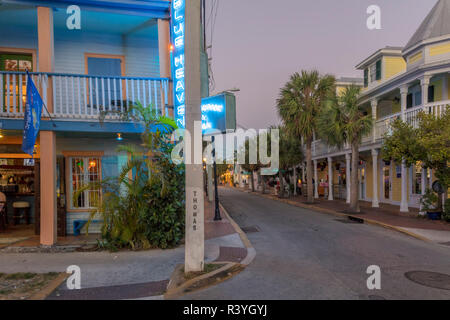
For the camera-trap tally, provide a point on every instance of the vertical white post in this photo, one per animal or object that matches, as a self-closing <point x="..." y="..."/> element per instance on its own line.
<point x="348" y="157"/>
<point x="375" y="203"/>
<point x="316" y="190"/>
<point x="373" y="104"/>
<point x="425" y="82"/>
<point x="403" y="95"/>
<point x="423" y="181"/>
<point x="404" y="200"/>
<point x="195" y="245"/>
<point x="431" y="179"/>
<point x="295" y="180"/>
<point x="330" y="178"/>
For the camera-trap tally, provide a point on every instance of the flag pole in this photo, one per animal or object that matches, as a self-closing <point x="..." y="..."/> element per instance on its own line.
<point x="43" y="103"/>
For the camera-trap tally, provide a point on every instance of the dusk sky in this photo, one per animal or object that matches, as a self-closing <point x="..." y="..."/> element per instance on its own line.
<point x="258" y="44"/>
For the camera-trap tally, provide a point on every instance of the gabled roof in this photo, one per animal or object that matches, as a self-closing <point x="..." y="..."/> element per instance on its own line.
<point x="435" y="25"/>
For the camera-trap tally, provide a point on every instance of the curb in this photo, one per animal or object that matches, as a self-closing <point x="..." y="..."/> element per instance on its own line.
<point x="45" y="292"/>
<point x="342" y="215"/>
<point x="251" y="252"/>
<point x="174" y="289"/>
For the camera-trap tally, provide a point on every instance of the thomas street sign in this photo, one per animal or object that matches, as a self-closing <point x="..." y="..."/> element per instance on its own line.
<point x="219" y="113"/>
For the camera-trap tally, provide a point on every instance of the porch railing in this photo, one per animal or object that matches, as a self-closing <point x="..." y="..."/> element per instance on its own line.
<point x="78" y="96"/>
<point x="383" y="125"/>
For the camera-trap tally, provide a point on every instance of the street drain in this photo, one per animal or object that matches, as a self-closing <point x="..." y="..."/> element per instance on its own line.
<point x="350" y="220"/>
<point x="250" y="229"/>
<point x="446" y="243"/>
<point x="375" y="297"/>
<point x="430" y="279"/>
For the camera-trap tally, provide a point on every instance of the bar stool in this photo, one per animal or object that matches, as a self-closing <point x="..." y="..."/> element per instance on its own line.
<point x="21" y="208"/>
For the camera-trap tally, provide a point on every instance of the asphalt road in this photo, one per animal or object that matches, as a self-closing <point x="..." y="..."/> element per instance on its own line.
<point x="303" y="254"/>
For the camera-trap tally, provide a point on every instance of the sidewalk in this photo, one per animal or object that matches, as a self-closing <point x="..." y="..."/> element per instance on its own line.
<point x="386" y="215"/>
<point x="127" y="274"/>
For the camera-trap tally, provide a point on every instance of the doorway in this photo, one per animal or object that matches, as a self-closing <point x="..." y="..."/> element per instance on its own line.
<point x="387" y="182"/>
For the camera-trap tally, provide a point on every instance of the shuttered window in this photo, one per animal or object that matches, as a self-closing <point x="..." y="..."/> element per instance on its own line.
<point x="366" y="77"/>
<point x="378" y="70"/>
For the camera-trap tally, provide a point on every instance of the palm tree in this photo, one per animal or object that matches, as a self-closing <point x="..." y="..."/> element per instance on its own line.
<point x="342" y="121"/>
<point x="298" y="105"/>
<point x="290" y="154"/>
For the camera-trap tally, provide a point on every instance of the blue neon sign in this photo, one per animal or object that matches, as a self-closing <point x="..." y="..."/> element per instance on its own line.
<point x="178" y="27"/>
<point x="218" y="113"/>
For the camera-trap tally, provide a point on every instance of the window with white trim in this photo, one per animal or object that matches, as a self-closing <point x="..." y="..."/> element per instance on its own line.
<point x="84" y="171"/>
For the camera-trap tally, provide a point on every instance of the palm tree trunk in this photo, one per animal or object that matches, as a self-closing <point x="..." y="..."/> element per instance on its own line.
<point x="354" y="185"/>
<point x="253" y="182"/>
<point x="309" y="171"/>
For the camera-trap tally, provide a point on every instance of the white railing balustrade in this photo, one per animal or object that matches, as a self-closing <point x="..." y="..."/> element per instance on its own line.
<point x="83" y="96"/>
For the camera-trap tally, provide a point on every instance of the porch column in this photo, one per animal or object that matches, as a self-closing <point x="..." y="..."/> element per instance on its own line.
<point x="375" y="178"/>
<point x="303" y="173"/>
<point x="423" y="181"/>
<point x="431" y="179"/>
<point x="316" y="190"/>
<point x="404" y="201"/>
<point x="48" y="188"/>
<point x="424" y="83"/>
<point x="47" y="138"/>
<point x="295" y="180"/>
<point x="330" y="178"/>
<point x="403" y="95"/>
<point x="46" y="49"/>
<point x="164" y="57"/>
<point x="348" y="157"/>
<point x="374" y="104"/>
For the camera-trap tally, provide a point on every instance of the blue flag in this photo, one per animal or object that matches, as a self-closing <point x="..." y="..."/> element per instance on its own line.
<point x="33" y="111"/>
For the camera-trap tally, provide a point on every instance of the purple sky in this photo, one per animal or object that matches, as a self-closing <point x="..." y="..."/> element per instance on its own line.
<point x="258" y="44"/>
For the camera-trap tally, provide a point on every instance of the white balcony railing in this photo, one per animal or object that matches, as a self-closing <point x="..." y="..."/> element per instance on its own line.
<point x="383" y="126"/>
<point x="82" y="96"/>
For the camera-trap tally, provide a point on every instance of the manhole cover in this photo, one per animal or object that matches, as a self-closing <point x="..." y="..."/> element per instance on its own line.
<point x="430" y="279"/>
<point x="250" y="229"/>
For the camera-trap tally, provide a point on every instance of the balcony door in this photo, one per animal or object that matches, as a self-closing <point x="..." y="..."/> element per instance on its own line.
<point x="105" y="90"/>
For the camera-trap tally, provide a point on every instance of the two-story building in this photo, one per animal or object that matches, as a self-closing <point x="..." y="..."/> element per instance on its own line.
<point x="398" y="83"/>
<point x="118" y="55"/>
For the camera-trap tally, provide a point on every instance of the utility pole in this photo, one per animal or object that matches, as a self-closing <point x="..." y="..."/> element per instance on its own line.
<point x="195" y="246"/>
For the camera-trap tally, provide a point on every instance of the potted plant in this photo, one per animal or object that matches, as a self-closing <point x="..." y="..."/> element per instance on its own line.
<point x="429" y="204"/>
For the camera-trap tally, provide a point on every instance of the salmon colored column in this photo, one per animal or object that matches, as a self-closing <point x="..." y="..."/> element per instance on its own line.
<point x="47" y="138"/>
<point x="48" y="188"/>
<point x="164" y="56"/>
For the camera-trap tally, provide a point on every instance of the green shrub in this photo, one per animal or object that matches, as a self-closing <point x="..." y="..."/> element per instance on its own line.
<point x="147" y="209"/>
<point x="446" y="213"/>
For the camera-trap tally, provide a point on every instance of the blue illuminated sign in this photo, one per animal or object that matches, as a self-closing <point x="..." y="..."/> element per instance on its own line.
<point x="218" y="113"/>
<point x="178" y="39"/>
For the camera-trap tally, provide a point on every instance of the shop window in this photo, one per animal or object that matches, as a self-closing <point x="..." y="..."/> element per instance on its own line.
<point x="85" y="171"/>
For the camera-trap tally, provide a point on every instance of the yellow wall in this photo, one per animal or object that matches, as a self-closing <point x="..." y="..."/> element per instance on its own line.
<point x="415" y="57"/>
<point x="393" y="66"/>
<point x="440" y="49"/>
<point x="437" y="89"/>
